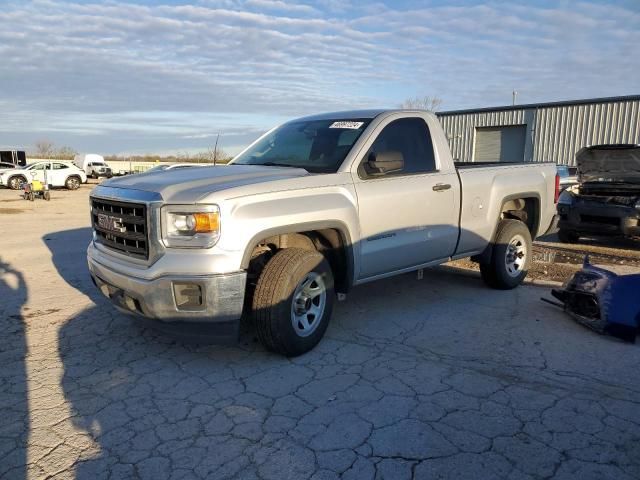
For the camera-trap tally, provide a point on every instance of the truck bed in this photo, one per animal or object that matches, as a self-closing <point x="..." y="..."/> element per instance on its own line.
<point x="484" y="189"/>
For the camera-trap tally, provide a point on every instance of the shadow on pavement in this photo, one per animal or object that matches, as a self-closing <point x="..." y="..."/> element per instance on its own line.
<point x="68" y="254"/>
<point x="128" y="385"/>
<point x="14" y="395"/>
<point x="153" y="406"/>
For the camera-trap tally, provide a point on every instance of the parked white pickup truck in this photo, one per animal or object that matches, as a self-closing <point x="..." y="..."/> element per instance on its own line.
<point x="310" y="209"/>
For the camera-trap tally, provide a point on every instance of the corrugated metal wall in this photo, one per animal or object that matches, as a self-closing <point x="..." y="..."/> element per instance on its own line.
<point x="554" y="133"/>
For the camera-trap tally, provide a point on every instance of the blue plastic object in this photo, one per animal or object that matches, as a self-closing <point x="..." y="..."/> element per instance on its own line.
<point x="603" y="300"/>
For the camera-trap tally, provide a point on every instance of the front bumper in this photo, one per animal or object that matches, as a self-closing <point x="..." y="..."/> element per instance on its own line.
<point x="221" y="296"/>
<point x="599" y="219"/>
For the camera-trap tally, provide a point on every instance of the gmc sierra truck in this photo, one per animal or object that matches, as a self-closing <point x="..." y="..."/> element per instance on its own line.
<point x="309" y="210"/>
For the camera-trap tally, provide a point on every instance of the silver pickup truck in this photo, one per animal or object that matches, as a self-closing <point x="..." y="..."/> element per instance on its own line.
<point x="309" y="210"/>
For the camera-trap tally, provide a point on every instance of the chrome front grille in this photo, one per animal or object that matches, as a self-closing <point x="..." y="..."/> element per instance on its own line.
<point x="121" y="226"/>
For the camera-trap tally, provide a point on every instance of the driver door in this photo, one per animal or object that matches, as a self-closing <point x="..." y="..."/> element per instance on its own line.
<point x="408" y="216"/>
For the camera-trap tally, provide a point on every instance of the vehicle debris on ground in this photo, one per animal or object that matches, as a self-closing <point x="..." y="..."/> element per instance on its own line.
<point x="603" y="299"/>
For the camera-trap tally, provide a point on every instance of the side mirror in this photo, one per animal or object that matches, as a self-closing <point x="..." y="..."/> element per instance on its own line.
<point x="382" y="163"/>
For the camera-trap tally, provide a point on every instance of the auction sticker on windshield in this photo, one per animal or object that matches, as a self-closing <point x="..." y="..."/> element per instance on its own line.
<point x="350" y="125"/>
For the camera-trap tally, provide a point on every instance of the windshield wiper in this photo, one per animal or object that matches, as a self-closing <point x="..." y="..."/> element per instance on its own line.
<point x="275" y="164"/>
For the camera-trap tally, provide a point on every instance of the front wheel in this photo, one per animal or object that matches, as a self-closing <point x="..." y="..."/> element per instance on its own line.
<point x="15" y="183"/>
<point x="293" y="301"/>
<point x="72" y="183"/>
<point x="510" y="256"/>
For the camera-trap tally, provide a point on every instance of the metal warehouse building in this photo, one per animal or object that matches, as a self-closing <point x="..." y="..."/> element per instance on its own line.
<point x="542" y="132"/>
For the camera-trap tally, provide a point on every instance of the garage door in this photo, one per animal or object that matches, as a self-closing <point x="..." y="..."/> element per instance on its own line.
<point x="499" y="144"/>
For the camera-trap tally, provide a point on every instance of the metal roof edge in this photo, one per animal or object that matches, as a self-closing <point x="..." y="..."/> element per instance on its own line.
<point x="542" y="105"/>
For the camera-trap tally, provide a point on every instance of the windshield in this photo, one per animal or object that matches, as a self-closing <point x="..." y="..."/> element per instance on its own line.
<point x="318" y="146"/>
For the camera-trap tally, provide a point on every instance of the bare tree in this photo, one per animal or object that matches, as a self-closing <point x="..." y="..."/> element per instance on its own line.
<point x="423" y="103"/>
<point x="216" y="155"/>
<point x="44" y="148"/>
<point x="65" y="153"/>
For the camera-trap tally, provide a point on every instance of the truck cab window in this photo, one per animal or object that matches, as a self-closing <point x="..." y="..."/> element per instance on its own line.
<point x="319" y="146"/>
<point x="410" y="137"/>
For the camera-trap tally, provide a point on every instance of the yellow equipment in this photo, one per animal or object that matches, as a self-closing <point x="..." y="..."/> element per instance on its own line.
<point x="36" y="188"/>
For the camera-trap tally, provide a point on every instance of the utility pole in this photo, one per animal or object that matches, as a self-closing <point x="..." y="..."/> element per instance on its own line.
<point x="514" y="95"/>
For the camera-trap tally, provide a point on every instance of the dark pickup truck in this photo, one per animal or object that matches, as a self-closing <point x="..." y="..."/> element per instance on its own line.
<point x="606" y="200"/>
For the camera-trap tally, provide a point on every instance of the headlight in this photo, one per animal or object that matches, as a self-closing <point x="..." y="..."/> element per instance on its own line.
<point x="638" y="205"/>
<point x="190" y="226"/>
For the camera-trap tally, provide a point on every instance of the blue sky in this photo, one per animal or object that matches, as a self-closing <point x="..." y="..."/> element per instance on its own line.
<point x="167" y="76"/>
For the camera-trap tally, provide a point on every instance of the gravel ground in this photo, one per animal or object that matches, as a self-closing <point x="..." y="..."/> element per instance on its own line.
<point x="557" y="262"/>
<point x="437" y="378"/>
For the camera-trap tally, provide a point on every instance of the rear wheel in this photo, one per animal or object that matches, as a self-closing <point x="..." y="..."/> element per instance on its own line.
<point x="510" y="257"/>
<point x="16" y="182"/>
<point x="47" y="195"/>
<point x="293" y="301"/>
<point x="72" y="183"/>
<point x="567" y="236"/>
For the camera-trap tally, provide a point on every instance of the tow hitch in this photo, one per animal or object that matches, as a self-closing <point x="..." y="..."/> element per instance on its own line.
<point x="602" y="300"/>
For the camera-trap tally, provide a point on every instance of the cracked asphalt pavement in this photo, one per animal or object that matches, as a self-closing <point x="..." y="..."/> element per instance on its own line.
<point x="426" y="379"/>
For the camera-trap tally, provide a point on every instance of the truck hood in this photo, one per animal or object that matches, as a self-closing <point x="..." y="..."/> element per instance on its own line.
<point x="609" y="164"/>
<point x="188" y="185"/>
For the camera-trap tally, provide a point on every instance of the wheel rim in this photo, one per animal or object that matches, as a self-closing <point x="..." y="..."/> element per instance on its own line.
<point x="516" y="256"/>
<point x="73" y="183"/>
<point x="15" y="183"/>
<point x="307" y="307"/>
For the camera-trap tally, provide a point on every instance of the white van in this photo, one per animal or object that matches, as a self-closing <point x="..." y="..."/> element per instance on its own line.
<point x="93" y="165"/>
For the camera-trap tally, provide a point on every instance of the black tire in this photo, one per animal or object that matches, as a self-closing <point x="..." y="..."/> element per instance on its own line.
<point x="32" y="196"/>
<point x="567" y="236"/>
<point x="16" y="182"/>
<point x="273" y="301"/>
<point x="94" y="175"/>
<point x="73" y="182"/>
<point x="510" y="256"/>
<point x="47" y="195"/>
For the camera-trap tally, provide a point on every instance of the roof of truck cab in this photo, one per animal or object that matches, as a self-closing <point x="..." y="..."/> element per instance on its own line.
<point x="346" y="115"/>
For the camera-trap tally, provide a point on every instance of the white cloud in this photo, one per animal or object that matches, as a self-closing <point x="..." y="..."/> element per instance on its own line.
<point x="84" y="72"/>
<point x="279" y="5"/>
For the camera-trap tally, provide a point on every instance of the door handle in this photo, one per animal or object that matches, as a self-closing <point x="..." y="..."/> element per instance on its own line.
<point x="441" y="187"/>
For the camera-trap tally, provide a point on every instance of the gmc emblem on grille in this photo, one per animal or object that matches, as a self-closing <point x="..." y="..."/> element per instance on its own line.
<point x="112" y="224"/>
